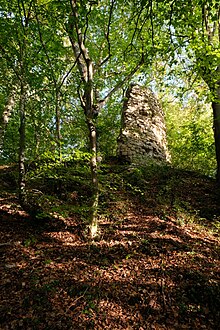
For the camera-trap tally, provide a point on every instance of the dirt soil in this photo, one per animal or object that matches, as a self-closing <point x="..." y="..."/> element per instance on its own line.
<point x="147" y="271"/>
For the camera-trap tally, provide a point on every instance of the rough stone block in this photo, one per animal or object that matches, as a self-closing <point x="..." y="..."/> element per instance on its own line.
<point x="143" y="132"/>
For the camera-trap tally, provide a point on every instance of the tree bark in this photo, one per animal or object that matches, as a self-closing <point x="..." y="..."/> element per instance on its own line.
<point x="5" y="117"/>
<point x="93" y="226"/>
<point x="216" y="126"/>
<point x="212" y="79"/>
<point x="22" y="183"/>
<point x="58" y="134"/>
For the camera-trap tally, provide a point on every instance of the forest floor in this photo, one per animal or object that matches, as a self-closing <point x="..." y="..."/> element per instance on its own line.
<point x="155" y="266"/>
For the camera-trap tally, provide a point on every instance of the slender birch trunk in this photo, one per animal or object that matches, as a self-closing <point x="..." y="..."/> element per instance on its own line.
<point x="93" y="226"/>
<point x="85" y="67"/>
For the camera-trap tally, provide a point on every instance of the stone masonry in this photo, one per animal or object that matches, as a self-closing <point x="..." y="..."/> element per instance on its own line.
<point x="143" y="130"/>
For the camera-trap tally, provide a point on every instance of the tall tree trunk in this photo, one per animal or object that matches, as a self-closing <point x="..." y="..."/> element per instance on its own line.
<point x="90" y="118"/>
<point x="216" y="126"/>
<point x="5" y="117"/>
<point x="213" y="81"/>
<point x="22" y="184"/>
<point x="93" y="226"/>
<point x="58" y="134"/>
<point x="85" y="67"/>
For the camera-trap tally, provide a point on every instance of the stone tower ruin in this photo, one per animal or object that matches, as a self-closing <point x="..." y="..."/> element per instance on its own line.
<point x="143" y="130"/>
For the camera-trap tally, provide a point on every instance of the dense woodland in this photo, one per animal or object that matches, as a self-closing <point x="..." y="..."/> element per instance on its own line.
<point x="89" y="242"/>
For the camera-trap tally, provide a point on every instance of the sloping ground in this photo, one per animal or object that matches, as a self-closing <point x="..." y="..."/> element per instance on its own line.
<point x="151" y="268"/>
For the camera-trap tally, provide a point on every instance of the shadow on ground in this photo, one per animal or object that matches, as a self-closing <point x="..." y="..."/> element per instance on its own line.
<point x="147" y="271"/>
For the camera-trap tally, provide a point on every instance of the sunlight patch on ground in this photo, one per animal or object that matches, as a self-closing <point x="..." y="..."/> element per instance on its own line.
<point x="65" y="237"/>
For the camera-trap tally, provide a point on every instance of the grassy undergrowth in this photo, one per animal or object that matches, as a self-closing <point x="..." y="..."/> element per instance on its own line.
<point x="62" y="190"/>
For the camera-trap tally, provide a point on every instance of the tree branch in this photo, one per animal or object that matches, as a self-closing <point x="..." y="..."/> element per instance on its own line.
<point x="81" y="45"/>
<point x="121" y="83"/>
<point x="45" y="50"/>
<point x="151" y="21"/>
<point x="171" y="18"/>
<point x="87" y="23"/>
<point x="108" y="32"/>
<point x="67" y="74"/>
<point x="9" y="61"/>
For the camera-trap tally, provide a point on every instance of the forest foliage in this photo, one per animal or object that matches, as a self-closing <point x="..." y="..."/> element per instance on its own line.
<point x="66" y="66"/>
<point x="90" y="242"/>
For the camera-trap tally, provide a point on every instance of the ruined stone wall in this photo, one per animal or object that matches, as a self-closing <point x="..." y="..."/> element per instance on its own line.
<point x="143" y="130"/>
